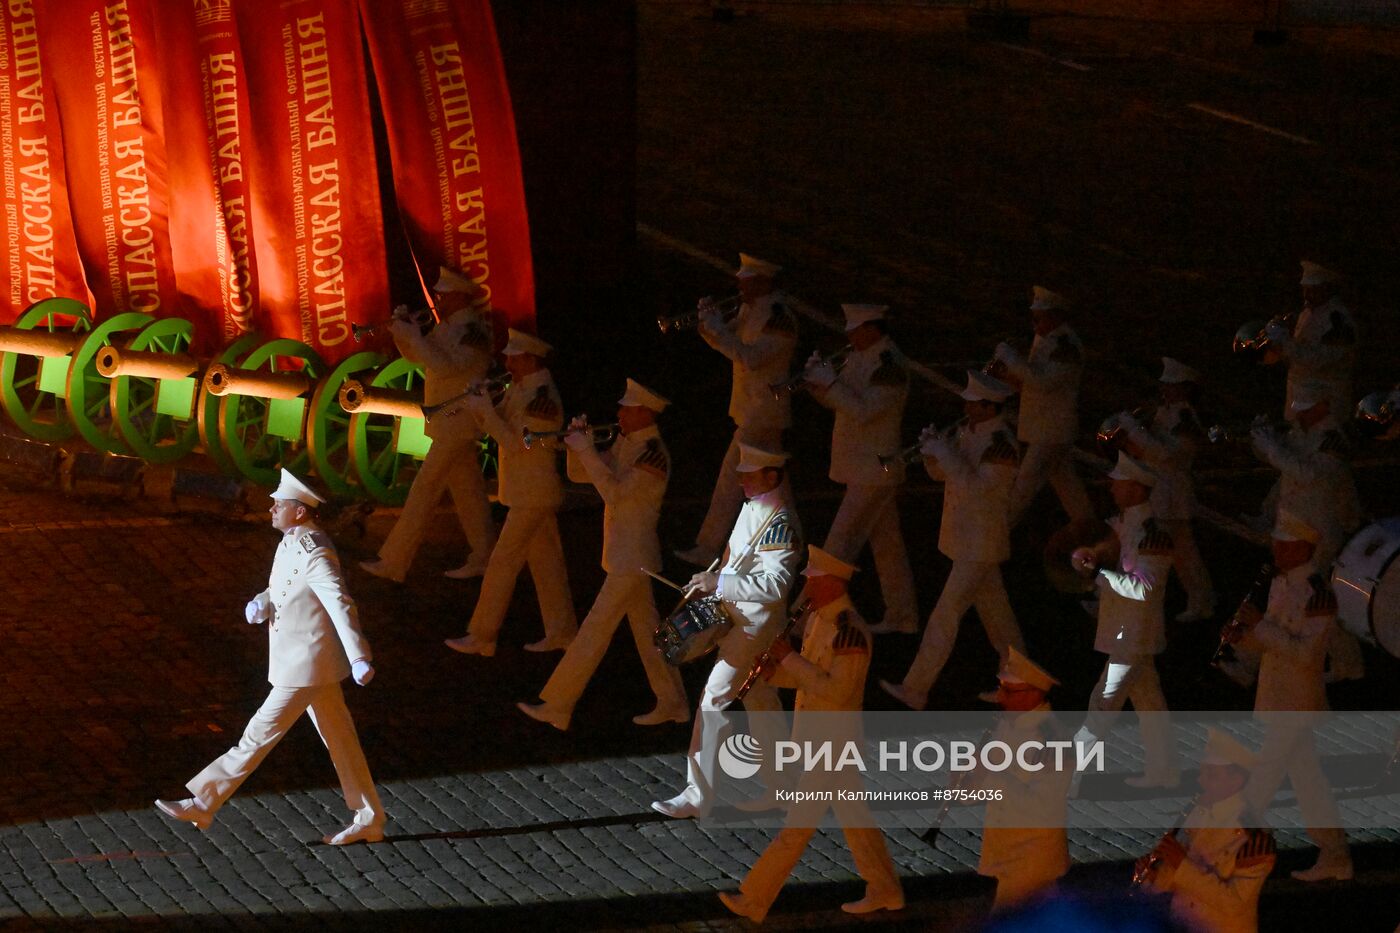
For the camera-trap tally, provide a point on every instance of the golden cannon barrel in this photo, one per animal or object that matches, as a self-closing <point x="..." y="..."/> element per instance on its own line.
<point x="114" y="361"/>
<point x="358" y="398"/>
<point x="39" y="342"/>
<point x="222" y="379"/>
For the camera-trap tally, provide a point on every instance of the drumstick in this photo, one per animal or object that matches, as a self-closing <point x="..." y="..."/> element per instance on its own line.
<point x="714" y="565"/>
<point x="660" y="579"/>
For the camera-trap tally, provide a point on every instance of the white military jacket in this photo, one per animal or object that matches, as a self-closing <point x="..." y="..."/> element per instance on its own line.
<point x="760" y="342"/>
<point x="1323" y="349"/>
<point x="760" y="562"/>
<point x="1217" y="885"/>
<point x="1024" y="832"/>
<point x="868" y="397"/>
<point x="1316" y="482"/>
<point x="978" y="471"/>
<point x="1131" y="619"/>
<point x="454" y="354"/>
<point x="313" y="625"/>
<point x="1169" y="445"/>
<point x="1049" y="387"/>
<point x="830" y="674"/>
<point x="528" y="478"/>
<point x="1293" y="632"/>
<point x="631" y="477"/>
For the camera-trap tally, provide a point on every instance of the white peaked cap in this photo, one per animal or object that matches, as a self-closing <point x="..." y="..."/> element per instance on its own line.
<point x="756" y="458"/>
<point x="1020" y="669"/>
<point x="292" y="488"/>
<point x="639" y="395"/>
<point x="823" y="564"/>
<point x="751" y="266"/>
<point x="450" y="281"/>
<point x="1307" y="394"/>
<point x="1135" y="470"/>
<point x="857" y="315"/>
<point x="1224" y="749"/>
<point x="984" y="388"/>
<point x="1288" y="526"/>
<point x="1175" y="371"/>
<point x="521" y="342"/>
<point x="1314" y="274"/>
<point x="1043" y="299"/>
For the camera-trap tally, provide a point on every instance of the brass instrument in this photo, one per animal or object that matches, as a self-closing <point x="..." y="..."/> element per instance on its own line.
<point x="1113" y="432"/>
<point x="931" y="834"/>
<point x="797" y="616"/>
<point x="836" y="360"/>
<point x="1237" y="628"/>
<point x="601" y="433"/>
<point x="1236" y="433"/>
<point x="912" y="454"/>
<point x="363" y="332"/>
<point x="493" y="387"/>
<point x="996" y="368"/>
<point x="1145" y="866"/>
<point x="1375" y="415"/>
<point x="728" y="308"/>
<point x="1252" y="342"/>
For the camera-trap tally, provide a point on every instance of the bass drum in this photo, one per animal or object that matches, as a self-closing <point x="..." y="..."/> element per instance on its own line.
<point x="1366" y="579"/>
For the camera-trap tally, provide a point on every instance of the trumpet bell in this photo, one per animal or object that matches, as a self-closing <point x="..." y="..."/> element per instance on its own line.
<point x="1249" y="342"/>
<point x="1375" y="416"/>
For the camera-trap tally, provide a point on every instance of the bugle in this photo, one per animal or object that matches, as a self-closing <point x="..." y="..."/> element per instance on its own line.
<point x="601" y="433"/>
<point x="1237" y="433"/>
<point x="1375" y="415"/>
<point x="1114" y="429"/>
<point x="913" y="453"/>
<point x="1251" y="342"/>
<point x="492" y="387"/>
<point x="727" y="307"/>
<point x="1235" y="629"/>
<point x="836" y="360"/>
<point x="797" y="616"/>
<point x="997" y="368"/>
<point x="363" y="332"/>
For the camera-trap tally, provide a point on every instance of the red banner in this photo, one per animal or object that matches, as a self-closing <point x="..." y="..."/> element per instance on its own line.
<point x="206" y="98"/>
<point x="314" y="192"/>
<point x="452" y="142"/>
<point x="101" y="56"/>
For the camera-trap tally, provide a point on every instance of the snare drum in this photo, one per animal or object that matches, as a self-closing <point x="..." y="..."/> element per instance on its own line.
<point x="1366" y="579"/>
<point x="693" y="630"/>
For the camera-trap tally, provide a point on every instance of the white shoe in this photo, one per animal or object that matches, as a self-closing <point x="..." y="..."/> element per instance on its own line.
<point x="356" y="832"/>
<point x="472" y="568"/>
<point x="894" y="900"/>
<point x="677" y="808"/>
<point x="910" y="698"/>
<point x="190" y="810"/>
<point x="543" y="712"/>
<point x="741" y="906"/>
<point x="552" y="643"/>
<point x="698" y="555"/>
<point x="469" y="644"/>
<point x="380" y="569"/>
<point x="660" y="716"/>
<point x="1327" y="871"/>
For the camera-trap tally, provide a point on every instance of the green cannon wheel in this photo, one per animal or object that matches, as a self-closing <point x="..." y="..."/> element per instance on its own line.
<point x="32" y="389"/>
<point x="207" y="408"/>
<point x="260" y="435"/>
<point x="156" y="417"/>
<point x="89" y="392"/>
<point x="328" y="427"/>
<point x="382" y="465"/>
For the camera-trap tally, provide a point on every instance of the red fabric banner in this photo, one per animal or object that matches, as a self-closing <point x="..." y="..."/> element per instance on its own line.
<point x="453" y="146"/>
<point x="101" y="57"/>
<point x="206" y="110"/>
<point x="41" y="252"/>
<point x="312" y="171"/>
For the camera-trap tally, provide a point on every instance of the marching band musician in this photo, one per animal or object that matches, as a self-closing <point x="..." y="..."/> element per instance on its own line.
<point x="531" y="488"/>
<point x="1321" y="347"/>
<point x="829" y="675"/>
<point x="868" y="396"/>
<point x="759" y="342"/>
<point x="1291" y="636"/>
<point x="1130" y="568"/>
<point x="454" y="355"/>
<point x="1215" y="876"/>
<point x="631" y="477"/>
<point x="1049" y="417"/>
<point x="759" y="564"/>
<point x="978" y="468"/>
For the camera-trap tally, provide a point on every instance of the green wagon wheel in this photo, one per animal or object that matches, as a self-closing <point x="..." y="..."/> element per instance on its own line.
<point x="209" y="405"/>
<point x="154" y="435"/>
<point x="89" y="392"/>
<point x="244" y="420"/>
<point x="38" y="411"/>
<point x="383" y="471"/>
<point x="328" y="427"/>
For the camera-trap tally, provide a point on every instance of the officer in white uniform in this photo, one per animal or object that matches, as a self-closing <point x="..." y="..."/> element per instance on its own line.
<point x="314" y="642"/>
<point x="754" y="583"/>
<point x="759" y="342"/>
<point x="1216" y="873"/>
<point x="454" y="355"/>
<point x="829" y="675"/>
<point x="1130" y="568"/>
<point x="1024" y="844"/>
<point x="978" y="469"/>
<point x="868" y="395"/>
<point x="530" y="486"/>
<point x="1321" y="347"/>
<point x="631" y="477"/>
<point x="1049" y="416"/>
<point x="1291" y="636"/>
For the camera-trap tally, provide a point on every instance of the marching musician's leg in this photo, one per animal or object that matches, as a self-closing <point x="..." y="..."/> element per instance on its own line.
<point x="1154" y="722"/>
<point x="222" y="776"/>
<point x="1191" y="568"/>
<point x="724" y="506"/>
<point x="546" y="559"/>
<point x="497" y="587"/>
<point x="401" y="546"/>
<point x="940" y="634"/>
<point x="1064" y="479"/>
<point x="468" y="488"/>
<point x="883" y="890"/>
<point x="337" y="730"/>
<point x="581" y="659"/>
<point x="765" y="879"/>
<point x="1030" y="477"/>
<point x="994" y="609"/>
<point x="664" y="678"/>
<point x="1320" y="814"/>
<point x="705" y="738"/>
<point x="892" y="565"/>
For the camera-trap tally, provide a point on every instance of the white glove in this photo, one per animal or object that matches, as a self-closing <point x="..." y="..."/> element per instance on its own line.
<point x="932" y="441"/>
<point x="255" y="611"/>
<point x="579" y="436"/>
<point x="1277" y="334"/>
<point x="1126" y="421"/>
<point x="479" y="404"/>
<point x="1006" y="352"/>
<point x="362" y="671"/>
<point x="710" y="317"/>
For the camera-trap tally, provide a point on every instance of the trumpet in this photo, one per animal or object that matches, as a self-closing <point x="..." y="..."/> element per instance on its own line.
<point x="1375" y="415"/>
<point x="1113" y="432"/>
<point x="836" y="360"/>
<point x="1251" y="341"/>
<point x="1234" y="433"/>
<point x="1258" y="597"/>
<point x="996" y="368"/>
<point x="728" y="308"/>
<point x="601" y="433"/>
<point x="492" y="387"/>
<point x="796" y="617"/>
<point x="912" y="454"/>
<point x="363" y="332"/>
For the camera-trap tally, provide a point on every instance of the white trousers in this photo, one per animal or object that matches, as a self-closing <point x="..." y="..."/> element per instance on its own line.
<point x="872" y="857"/>
<point x="451" y="466"/>
<point x="284" y="705"/>
<point x="528" y="536"/>
<point x="970" y="584"/>
<point x="622" y="594"/>
<point x="1189" y="566"/>
<point x="728" y="496"/>
<point x="1290" y="750"/>
<point x="1134" y="677"/>
<point x="1055" y="463"/>
<point x="871" y="514"/>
